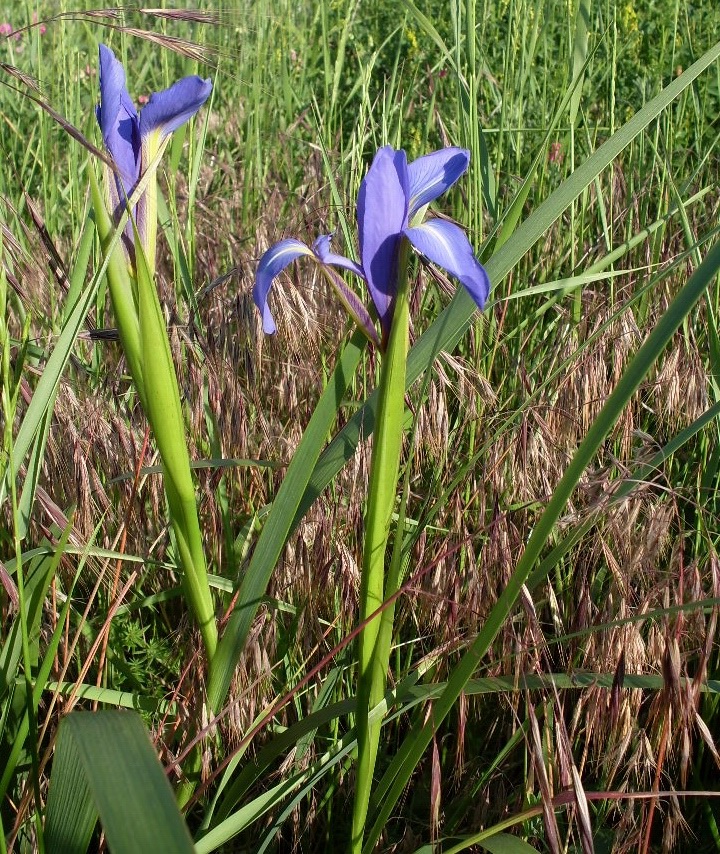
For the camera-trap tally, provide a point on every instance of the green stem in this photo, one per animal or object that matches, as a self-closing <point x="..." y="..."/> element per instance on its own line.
<point x="143" y="334"/>
<point x="164" y="412"/>
<point x="381" y="501"/>
<point x="124" y="303"/>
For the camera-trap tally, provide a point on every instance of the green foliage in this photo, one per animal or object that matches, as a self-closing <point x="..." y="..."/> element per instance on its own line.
<point x="105" y="766"/>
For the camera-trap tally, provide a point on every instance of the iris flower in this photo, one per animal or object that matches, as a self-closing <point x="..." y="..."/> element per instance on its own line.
<point x="133" y="139"/>
<point x="392" y="201"/>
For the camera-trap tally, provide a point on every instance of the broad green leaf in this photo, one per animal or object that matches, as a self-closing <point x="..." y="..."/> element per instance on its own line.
<point x="164" y="412"/>
<point x="105" y="765"/>
<point x="498" y="843"/>
<point x="503" y="843"/>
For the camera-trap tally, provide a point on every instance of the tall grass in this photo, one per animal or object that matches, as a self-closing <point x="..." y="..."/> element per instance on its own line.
<point x="554" y="662"/>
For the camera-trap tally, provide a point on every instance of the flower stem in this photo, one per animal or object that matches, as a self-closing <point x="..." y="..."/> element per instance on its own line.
<point x="144" y="337"/>
<point x="382" y="491"/>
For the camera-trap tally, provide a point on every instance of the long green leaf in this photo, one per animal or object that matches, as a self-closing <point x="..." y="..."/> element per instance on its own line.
<point x="38" y="452"/>
<point x="164" y="412"/>
<point x="30" y="713"/>
<point x="44" y="395"/>
<point x="275" y="531"/>
<point x="580" y="50"/>
<point x="106" y="765"/>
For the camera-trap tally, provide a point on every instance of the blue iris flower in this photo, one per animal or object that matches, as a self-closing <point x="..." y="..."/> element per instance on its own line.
<point x="391" y="204"/>
<point x="133" y="139"/>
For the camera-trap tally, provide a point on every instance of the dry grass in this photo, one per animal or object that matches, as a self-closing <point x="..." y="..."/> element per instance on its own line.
<point x="260" y="393"/>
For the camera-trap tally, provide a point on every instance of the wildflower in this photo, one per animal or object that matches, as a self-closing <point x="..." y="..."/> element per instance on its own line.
<point x="5" y="29"/>
<point x="392" y="201"/>
<point x="134" y="139"/>
<point x="42" y="29"/>
<point x="555" y="154"/>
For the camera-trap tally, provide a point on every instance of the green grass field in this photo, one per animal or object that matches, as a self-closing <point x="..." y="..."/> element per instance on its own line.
<point x="551" y="576"/>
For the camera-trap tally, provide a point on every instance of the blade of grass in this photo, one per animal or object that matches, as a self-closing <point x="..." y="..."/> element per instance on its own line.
<point x="105" y="765"/>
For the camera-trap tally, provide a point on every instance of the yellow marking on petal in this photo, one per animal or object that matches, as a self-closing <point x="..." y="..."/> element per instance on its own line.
<point x="152" y="145"/>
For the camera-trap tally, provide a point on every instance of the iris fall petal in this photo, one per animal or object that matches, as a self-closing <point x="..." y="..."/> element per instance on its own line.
<point x="272" y="263"/>
<point x="447" y="246"/>
<point x="166" y="111"/>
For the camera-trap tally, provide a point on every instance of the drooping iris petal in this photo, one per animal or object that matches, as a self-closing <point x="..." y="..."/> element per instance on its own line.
<point x="382" y="212"/>
<point x="430" y="176"/>
<point x="167" y="110"/>
<point x="118" y="121"/>
<point x="164" y="113"/>
<point x="321" y="248"/>
<point x="447" y="246"/>
<point x="273" y="262"/>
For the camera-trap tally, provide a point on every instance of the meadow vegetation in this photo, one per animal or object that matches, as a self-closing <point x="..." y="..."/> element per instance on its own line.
<point x="557" y="514"/>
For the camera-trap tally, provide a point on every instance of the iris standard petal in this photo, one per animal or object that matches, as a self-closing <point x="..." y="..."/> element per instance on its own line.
<point x="167" y="110"/>
<point x="273" y="262"/>
<point x="447" y="246"/>
<point x="321" y="247"/>
<point x="382" y="213"/>
<point x="431" y="175"/>
<point x="118" y="120"/>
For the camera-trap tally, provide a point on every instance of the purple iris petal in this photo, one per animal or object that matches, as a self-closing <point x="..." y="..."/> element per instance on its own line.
<point x="321" y="247"/>
<point x="382" y="212"/>
<point x="119" y="122"/>
<point x="167" y="110"/>
<point x="390" y="193"/>
<point x="431" y="175"/>
<point x="447" y="246"/>
<point x="123" y="130"/>
<point x="273" y="262"/>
